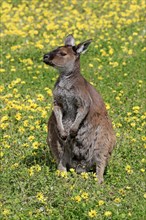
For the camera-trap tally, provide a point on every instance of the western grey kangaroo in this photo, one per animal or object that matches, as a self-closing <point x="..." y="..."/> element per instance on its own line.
<point x="80" y="133"/>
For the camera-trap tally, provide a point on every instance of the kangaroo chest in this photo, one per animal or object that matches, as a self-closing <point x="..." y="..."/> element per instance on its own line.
<point x="66" y="100"/>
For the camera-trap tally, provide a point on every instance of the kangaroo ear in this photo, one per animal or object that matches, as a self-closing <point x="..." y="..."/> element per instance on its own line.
<point x="70" y="41"/>
<point x="82" y="47"/>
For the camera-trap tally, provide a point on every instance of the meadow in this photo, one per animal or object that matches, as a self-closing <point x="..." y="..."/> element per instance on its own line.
<point x="31" y="186"/>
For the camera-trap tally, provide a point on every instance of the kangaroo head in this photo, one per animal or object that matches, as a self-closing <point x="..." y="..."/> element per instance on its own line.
<point x="64" y="58"/>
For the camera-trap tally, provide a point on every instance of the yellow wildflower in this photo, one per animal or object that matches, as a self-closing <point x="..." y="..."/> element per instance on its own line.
<point x="72" y="170"/>
<point x="4" y="118"/>
<point x="31" y="138"/>
<point x="100" y="202"/>
<point x="77" y="198"/>
<point x="6" y="212"/>
<point x="108" y="213"/>
<point x="18" y="116"/>
<point x="84" y="175"/>
<point x="128" y="169"/>
<point x="35" y="145"/>
<point x="40" y="197"/>
<point x="142" y="170"/>
<point x="85" y="195"/>
<point x="91" y="65"/>
<point x="92" y="213"/>
<point x="64" y="174"/>
<point x="117" y="200"/>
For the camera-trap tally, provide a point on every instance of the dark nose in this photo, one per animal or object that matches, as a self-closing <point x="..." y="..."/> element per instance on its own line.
<point x="46" y="56"/>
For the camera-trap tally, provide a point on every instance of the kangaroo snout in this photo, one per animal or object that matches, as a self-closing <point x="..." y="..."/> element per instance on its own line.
<point x="46" y="58"/>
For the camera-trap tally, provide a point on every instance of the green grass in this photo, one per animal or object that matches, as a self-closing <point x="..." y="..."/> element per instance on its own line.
<point x="31" y="186"/>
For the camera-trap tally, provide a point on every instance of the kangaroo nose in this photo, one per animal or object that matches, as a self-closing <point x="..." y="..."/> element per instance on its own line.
<point x="46" y="56"/>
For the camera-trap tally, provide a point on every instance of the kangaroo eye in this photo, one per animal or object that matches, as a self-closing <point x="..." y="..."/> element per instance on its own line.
<point x="63" y="53"/>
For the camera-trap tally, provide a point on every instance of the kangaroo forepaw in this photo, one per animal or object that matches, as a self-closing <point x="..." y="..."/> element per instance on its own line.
<point x="63" y="135"/>
<point x="73" y="132"/>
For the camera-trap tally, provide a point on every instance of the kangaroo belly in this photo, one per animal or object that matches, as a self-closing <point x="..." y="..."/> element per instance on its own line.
<point x="90" y="143"/>
<point x="81" y="149"/>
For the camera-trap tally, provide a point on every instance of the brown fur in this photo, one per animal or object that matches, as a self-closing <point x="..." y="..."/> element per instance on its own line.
<point x="80" y="133"/>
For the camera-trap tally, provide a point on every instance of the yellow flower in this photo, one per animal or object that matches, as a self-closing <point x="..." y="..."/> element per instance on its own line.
<point x="1" y="88"/>
<point x="49" y="91"/>
<point x="7" y="146"/>
<point x="107" y="106"/>
<point x="1" y="154"/>
<point x="117" y="134"/>
<point x="143" y="160"/>
<point x="31" y="138"/>
<point x="90" y="65"/>
<point x="108" y="213"/>
<point x="136" y="109"/>
<point x="92" y="213"/>
<point x="35" y="145"/>
<point x="122" y="192"/>
<point x="128" y="169"/>
<point x="34" y="169"/>
<point x="6" y="212"/>
<point x="15" y="91"/>
<point x="37" y="167"/>
<point x="4" y="125"/>
<point x="100" y="78"/>
<point x="103" y="53"/>
<point x="44" y="114"/>
<point x="13" y="69"/>
<point x="40" y="97"/>
<point x="15" y="165"/>
<point x="111" y="51"/>
<point x="118" y="98"/>
<point x="2" y="70"/>
<point x="84" y="175"/>
<point x="129" y="113"/>
<point x="18" y="116"/>
<point x="40" y="197"/>
<point x="61" y="173"/>
<point x="72" y="170"/>
<point x="128" y="187"/>
<point x="21" y="130"/>
<point x="100" y="202"/>
<point x="84" y="195"/>
<point x="15" y="47"/>
<point x="118" y="125"/>
<point x="64" y="174"/>
<point x="4" y="118"/>
<point x="39" y="45"/>
<point x="142" y="170"/>
<point x="117" y="200"/>
<point x="143" y="138"/>
<point x="114" y="64"/>
<point x="8" y="56"/>
<point x="25" y="145"/>
<point x="92" y="83"/>
<point x="133" y="124"/>
<point x="77" y="198"/>
<point x="31" y="171"/>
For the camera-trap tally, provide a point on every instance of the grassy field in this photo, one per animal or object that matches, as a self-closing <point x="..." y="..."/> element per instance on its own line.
<point x="31" y="186"/>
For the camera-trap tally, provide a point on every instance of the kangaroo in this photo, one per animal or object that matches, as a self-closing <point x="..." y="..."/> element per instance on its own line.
<point x="80" y="133"/>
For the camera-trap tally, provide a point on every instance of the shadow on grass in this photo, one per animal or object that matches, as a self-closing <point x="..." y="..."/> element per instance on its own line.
<point x="41" y="157"/>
